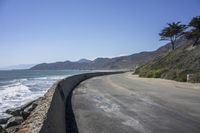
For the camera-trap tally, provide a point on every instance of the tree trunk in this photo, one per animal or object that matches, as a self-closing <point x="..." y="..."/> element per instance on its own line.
<point x="172" y="43"/>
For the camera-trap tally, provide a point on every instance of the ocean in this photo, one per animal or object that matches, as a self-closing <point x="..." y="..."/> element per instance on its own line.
<point x="18" y="87"/>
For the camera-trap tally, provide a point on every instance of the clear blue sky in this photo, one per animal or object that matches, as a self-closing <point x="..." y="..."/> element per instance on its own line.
<point x="35" y="31"/>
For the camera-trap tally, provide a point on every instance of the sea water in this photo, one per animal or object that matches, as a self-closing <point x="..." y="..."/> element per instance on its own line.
<point x="18" y="87"/>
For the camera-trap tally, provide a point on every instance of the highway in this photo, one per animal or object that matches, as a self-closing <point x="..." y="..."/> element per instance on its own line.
<point x="125" y="103"/>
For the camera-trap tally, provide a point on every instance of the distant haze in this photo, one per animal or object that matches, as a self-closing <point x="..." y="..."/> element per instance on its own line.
<point x="16" y="67"/>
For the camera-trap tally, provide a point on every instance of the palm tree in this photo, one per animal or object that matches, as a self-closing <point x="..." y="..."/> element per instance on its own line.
<point x="172" y="32"/>
<point x="194" y="34"/>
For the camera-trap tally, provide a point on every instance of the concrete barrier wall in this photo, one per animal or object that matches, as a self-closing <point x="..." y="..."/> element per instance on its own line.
<point x="60" y="117"/>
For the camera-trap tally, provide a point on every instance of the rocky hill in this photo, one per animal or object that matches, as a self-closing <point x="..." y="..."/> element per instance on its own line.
<point x="174" y="65"/>
<point x="123" y="62"/>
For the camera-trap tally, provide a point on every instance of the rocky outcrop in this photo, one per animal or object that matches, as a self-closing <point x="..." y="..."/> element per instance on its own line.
<point x="27" y="111"/>
<point x="18" y="115"/>
<point x="14" y="121"/>
<point x="4" y="120"/>
<point x="2" y="130"/>
<point x="35" y="121"/>
<point x="19" y="110"/>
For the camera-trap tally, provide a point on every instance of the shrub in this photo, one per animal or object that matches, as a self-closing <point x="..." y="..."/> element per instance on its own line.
<point x="196" y="78"/>
<point x="157" y="74"/>
<point x="149" y="74"/>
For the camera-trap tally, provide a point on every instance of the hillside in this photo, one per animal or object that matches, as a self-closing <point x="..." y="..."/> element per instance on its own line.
<point x="174" y="65"/>
<point x="123" y="62"/>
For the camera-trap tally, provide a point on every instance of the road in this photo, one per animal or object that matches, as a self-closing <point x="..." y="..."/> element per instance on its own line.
<point x="125" y="103"/>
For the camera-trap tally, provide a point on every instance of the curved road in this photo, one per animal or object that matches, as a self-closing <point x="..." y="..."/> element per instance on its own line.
<point x="124" y="103"/>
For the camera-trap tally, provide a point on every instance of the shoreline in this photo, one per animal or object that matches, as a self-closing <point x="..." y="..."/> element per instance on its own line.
<point x="28" y="109"/>
<point x="46" y="113"/>
<point x="44" y="116"/>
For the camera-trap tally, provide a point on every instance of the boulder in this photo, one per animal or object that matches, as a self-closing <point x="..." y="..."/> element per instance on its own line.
<point x="14" y="121"/>
<point x="27" y="111"/>
<point x="4" y="120"/>
<point x="12" y="129"/>
<point x="14" y="111"/>
<point x="25" y="114"/>
<point x="17" y="111"/>
<point x="31" y="107"/>
<point x="2" y="130"/>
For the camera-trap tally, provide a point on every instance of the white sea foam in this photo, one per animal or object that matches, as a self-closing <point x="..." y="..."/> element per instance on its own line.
<point x="20" y="91"/>
<point x="51" y="77"/>
<point x="13" y="95"/>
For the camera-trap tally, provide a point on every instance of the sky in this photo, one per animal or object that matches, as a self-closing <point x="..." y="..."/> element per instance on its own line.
<point x="37" y="31"/>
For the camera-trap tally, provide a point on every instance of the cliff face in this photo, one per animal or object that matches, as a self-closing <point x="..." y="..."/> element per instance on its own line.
<point x="123" y="62"/>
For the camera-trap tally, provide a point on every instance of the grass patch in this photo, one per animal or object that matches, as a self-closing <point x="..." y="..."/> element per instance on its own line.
<point x="173" y="65"/>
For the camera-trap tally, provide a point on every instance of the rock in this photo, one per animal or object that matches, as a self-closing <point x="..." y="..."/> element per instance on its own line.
<point x="25" y="114"/>
<point x="12" y="129"/>
<point x="17" y="111"/>
<point x="2" y="130"/>
<point x="31" y="107"/>
<point x="13" y="121"/>
<point x="27" y="111"/>
<point x="14" y="111"/>
<point x="4" y="120"/>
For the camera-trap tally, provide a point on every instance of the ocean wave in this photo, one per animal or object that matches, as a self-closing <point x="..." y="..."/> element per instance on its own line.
<point x="17" y="92"/>
<point x="13" y="95"/>
<point x="51" y="77"/>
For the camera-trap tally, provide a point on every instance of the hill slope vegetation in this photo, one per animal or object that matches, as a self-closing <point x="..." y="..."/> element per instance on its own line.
<point x="174" y="65"/>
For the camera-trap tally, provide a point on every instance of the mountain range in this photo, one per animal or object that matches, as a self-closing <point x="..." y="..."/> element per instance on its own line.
<point x="123" y="62"/>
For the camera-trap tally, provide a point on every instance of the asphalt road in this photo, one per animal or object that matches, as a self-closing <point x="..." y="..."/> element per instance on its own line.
<point x="124" y="103"/>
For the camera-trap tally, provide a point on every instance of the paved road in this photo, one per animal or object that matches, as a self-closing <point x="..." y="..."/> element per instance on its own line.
<point x="124" y="103"/>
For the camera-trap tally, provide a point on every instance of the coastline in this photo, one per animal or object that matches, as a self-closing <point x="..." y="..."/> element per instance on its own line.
<point x="46" y="114"/>
<point x="36" y="114"/>
<point x="54" y="110"/>
<point x="18" y="87"/>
